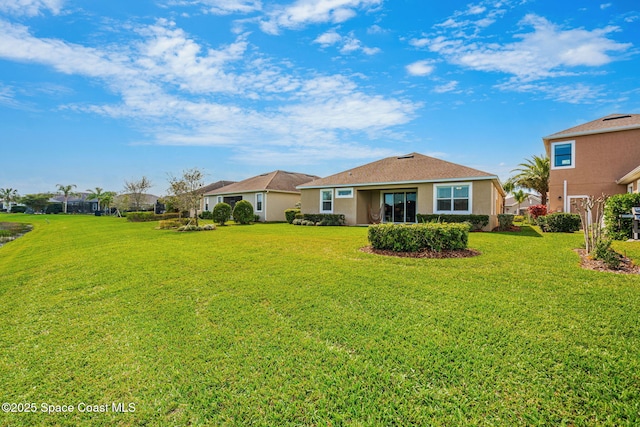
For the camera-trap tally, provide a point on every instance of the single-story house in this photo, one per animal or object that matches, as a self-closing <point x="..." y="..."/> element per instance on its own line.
<point x="511" y="206"/>
<point x="594" y="158"/>
<point x="396" y="189"/>
<point x="269" y="194"/>
<point x="204" y="203"/>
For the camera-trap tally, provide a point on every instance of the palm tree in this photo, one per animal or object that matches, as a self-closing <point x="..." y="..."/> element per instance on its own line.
<point x="107" y="199"/>
<point x="519" y="196"/>
<point x="534" y="174"/>
<point x="66" y="190"/>
<point x="96" y="193"/>
<point x="8" y="195"/>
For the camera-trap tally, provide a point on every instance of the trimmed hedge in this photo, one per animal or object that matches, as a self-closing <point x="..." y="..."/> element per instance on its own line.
<point x="505" y="221"/>
<point x="618" y="228"/>
<point x="559" y="222"/>
<point x="416" y="237"/>
<point x="290" y="214"/>
<point x="150" y="216"/>
<point x="318" y="219"/>
<point x="478" y="222"/>
<point x="243" y="212"/>
<point x="221" y="213"/>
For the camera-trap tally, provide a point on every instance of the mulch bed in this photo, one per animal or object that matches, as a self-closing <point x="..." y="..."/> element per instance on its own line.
<point x="626" y="266"/>
<point x="464" y="253"/>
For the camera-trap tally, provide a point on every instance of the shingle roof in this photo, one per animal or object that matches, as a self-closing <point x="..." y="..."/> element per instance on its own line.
<point x="610" y="123"/>
<point x="273" y="181"/>
<point x="412" y="167"/>
<point x="214" y="186"/>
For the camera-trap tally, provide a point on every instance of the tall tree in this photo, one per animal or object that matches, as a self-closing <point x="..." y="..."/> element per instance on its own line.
<point x="8" y="196"/>
<point x="37" y="202"/>
<point x="66" y="190"/>
<point x="96" y="193"/>
<point x="136" y="190"/>
<point x="184" y="192"/>
<point x="534" y="174"/>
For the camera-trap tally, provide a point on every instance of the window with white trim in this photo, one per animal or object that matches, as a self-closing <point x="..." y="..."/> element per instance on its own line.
<point x="563" y="155"/>
<point x="219" y="199"/>
<point x="259" y="201"/>
<point x="453" y="198"/>
<point x="344" y="193"/>
<point x="326" y="201"/>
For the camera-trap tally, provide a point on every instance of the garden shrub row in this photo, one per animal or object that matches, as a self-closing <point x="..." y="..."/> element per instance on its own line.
<point x="150" y="216"/>
<point x="559" y="222"/>
<point x="478" y="222"/>
<point x="618" y="228"/>
<point x="319" y="219"/>
<point x="416" y="237"/>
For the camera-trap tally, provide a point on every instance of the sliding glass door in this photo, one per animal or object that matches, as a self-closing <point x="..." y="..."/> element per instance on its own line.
<point x="400" y="207"/>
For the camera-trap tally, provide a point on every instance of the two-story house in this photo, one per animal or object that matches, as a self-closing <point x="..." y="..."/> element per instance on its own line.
<point x="595" y="158"/>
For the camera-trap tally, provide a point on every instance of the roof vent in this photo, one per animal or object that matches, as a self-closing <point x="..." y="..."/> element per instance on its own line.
<point x="408" y="156"/>
<point x="616" y="118"/>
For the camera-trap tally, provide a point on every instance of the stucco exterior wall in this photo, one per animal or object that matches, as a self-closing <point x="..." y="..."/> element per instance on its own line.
<point x="277" y="203"/>
<point x="600" y="160"/>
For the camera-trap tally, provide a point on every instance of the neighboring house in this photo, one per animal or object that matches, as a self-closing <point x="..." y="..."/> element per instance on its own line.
<point x="148" y="202"/>
<point x="396" y="189"/>
<point x="269" y="194"/>
<point x="77" y="202"/>
<point x="599" y="157"/>
<point x="511" y="206"/>
<point x="204" y="203"/>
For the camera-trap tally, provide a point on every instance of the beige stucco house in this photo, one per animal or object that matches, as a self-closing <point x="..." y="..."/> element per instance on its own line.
<point x="595" y="158"/>
<point x="269" y="194"/>
<point x="396" y="189"/>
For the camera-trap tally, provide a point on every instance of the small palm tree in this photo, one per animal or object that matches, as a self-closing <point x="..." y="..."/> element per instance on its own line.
<point x="107" y="199"/>
<point x="66" y="190"/>
<point x="519" y="196"/>
<point x="8" y="195"/>
<point x="534" y="174"/>
<point x="96" y="193"/>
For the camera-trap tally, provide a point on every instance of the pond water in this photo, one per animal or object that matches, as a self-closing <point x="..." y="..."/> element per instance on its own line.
<point x="12" y="230"/>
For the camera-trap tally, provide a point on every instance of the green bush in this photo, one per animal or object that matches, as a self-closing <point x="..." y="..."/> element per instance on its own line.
<point x="172" y="223"/>
<point x="243" y="212"/>
<point x="141" y="216"/>
<point x="505" y="221"/>
<point x="206" y="215"/>
<point x="290" y="214"/>
<point x="221" y="213"/>
<point x="18" y="209"/>
<point x="604" y="252"/>
<point x="416" y="237"/>
<point x="318" y="219"/>
<point x="559" y="222"/>
<point x="478" y="222"/>
<point x="256" y="218"/>
<point x="618" y="228"/>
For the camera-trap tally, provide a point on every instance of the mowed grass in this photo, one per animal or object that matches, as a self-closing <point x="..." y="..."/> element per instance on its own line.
<point x="278" y="325"/>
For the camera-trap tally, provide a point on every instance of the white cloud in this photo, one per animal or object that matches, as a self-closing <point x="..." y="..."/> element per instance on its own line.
<point x="349" y="43"/>
<point x="157" y="77"/>
<point x="447" y="87"/>
<point x="304" y="12"/>
<point x="221" y="7"/>
<point x="605" y="6"/>
<point x="420" y="68"/>
<point x="31" y="7"/>
<point x="329" y="38"/>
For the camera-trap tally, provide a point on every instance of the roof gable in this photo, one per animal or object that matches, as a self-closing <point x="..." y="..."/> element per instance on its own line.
<point x="412" y="167"/>
<point x="278" y="180"/>
<point x="610" y="123"/>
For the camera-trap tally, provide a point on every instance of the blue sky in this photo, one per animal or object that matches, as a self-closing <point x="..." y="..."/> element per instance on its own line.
<point x="94" y="93"/>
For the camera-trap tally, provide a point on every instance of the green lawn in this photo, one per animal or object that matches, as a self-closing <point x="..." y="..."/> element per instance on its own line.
<point x="275" y="324"/>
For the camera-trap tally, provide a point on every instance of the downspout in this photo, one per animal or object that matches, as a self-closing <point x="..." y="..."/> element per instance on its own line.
<point x="264" y="203"/>
<point x="565" y="200"/>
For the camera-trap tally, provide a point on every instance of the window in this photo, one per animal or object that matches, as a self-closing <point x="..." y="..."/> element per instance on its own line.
<point x="400" y="207"/>
<point x="259" y="199"/>
<point x="344" y="193"/>
<point x="206" y="203"/>
<point x="630" y="188"/>
<point x="563" y="155"/>
<point x="326" y="201"/>
<point x="219" y="199"/>
<point x="453" y="198"/>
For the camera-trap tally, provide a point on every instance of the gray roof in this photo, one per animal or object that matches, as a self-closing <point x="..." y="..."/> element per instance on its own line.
<point x="278" y="181"/>
<point x="610" y="123"/>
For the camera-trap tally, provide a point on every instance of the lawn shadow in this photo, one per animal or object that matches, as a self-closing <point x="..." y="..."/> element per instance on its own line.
<point x="525" y="231"/>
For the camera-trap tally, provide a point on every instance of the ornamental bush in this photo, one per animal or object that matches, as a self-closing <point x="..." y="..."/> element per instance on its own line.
<point x="618" y="228"/>
<point x="536" y="211"/>
<point x="478" y="222"/>
<point x="221" y="213"/>
<point x="559" y="222"/>
<point x="505" y="221"/>
<point x="416" y="237"/>
<point x="141" y="216"/>
<point x="290" y="214"/>
<point x="206" y="215"/>
<point x="318" y="219"/>
<point x="243" y="212"/>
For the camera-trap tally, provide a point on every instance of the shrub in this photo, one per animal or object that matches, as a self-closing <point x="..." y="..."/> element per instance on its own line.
<point x="559" y="222"/>
<point x="243" y="212"/>
<point x="172" y="223"/>
<point x="209" y="227"/>
<point x="256" y="218"/>
<point x="221" y="213"/>
<point x="297" y="221"/>
<point x="505" y="221"/>
<point x="604" y="252"/>
<point x="618" y="228"/>
<point x="536" y="211"/>
<point x="478" y="222"/>
<point x="206" y="215"/>
<point x="18" y="209"/>
<point x="318" y="219"/>
<point x="141" y="216"/>
<point x="416" y="237"/>
<point x="290" y="214"/>
<point x="518" y="218"/>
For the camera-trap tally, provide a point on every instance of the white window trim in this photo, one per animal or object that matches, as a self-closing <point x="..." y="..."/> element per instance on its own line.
<point x="326" y="190"/>
<point x="452" y="184"/>
<point x="219" y="199"/>
<point x="573" y="155"/>
<point x="350" y="196"/>
<point x="256" y="200"/>
<point x="630" y="188"/>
